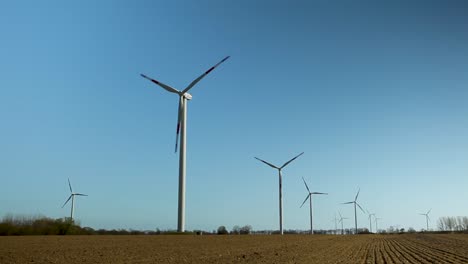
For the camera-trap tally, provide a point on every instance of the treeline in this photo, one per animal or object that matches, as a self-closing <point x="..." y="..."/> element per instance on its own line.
<point x="27" y="225"/>
<point x="236" y="230"/>
<point x="40" y="225"/>
<point x="453" y="223"/>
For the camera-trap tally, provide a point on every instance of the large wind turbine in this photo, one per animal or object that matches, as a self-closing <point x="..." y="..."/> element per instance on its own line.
<point x="341" y="220"/>
<point x="370" y="220"/>
<point x="355" y="213"/>
<point x="309" y="196"/>
<point x="182" y="128"/>
<point x="72" y="197"/>
<point x="427" y="219"/>
<point x="280" y="187"/>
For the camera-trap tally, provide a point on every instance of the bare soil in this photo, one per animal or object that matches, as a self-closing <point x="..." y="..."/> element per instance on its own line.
<point x="410" y="248"/>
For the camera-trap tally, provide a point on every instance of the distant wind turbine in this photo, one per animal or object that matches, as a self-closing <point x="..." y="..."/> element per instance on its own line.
<point x="309" y="197"/>
<point x="341" y="221"/>
<point x="335" y="220"/>
<point x="72" y="197"/>
<point x="370" y="220"/>
<point x="280" y="187"/>
<point x="376" y="226"/>
<point x="182" y="128"/>
<point x="355" y="212"/>
<point x="427" y="219"/>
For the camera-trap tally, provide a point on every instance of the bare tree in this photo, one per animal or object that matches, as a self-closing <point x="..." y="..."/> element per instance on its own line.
<point x="441" y="224"/>
<point x="236" y="230"/>
<point x="245" y="230"/>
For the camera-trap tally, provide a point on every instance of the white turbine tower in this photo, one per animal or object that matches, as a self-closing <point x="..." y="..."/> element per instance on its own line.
<point x="280" y="187"/>
<point x="309" y="196"/>
<point x="182" y="128"/>
<point x="355" y="213"/>
<point x="72" y="197"/>
<point x="341" y="221"/>
<point x="376" y="224"/>
<point x="427" y="219"/>
<point x="336" y="226"/>
<point x="370" y="220"/>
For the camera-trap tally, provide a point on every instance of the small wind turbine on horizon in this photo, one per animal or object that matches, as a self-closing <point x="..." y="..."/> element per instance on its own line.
<point x="182" y="128"/>
<point x="72" y="197"/>
<point x="336" y="226"/>
<point x="341" y="221"/>
<point x="355" y="212"/>
<point x="309" y="197"/>
<point x="280" y="187"/>
<point x="376" y="226"/>
<point x="370" y="220"/>
<point x="427" y="219"/>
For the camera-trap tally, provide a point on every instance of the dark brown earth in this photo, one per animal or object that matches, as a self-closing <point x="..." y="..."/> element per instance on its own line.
<point x="410" y="248"/>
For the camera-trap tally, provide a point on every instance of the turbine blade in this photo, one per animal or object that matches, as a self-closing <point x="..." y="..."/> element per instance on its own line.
<point x="80" y="194"/>
<point x="284" y="165"/>
<point x="203" y="75"/>
<point x="348" y="203"/>
<point x="319" y="193"/>
<point x="179" y="120"/>
<point x="360" y="208"/>
<point x="67" y="200"/>
<point x="340" y="214"/>
<point x="69" y="185"/>
<point x="305" y="200"/>
<point x="307" y="187"/>
<point x="429" y="211"/>
<point x="269" y="164"/>
<point x="164" y="86"/>
<point x="355" y="199"/>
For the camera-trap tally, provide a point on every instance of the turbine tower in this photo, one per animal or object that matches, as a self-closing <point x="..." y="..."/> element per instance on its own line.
<point x="355" y="212"/>
<point x="341" y="221"/>
<point x="72" y="197"/>
<point x="182" y="128"/>
<point x="370" y="220"/>
<point x="309" y="196"/>
<point x="280" y="187"/>
<point x="376" y="226"/>
<point x="335" y="220"/>
<point x="427" y="219"/>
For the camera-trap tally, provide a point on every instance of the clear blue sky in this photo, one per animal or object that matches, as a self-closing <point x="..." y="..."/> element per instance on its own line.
<point x="374" y="92"/>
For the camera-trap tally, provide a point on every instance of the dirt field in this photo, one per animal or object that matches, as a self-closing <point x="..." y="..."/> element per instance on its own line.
<point x="415" y="248"/>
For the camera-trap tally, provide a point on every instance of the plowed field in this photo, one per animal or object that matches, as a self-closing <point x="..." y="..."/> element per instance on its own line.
<point x="415" y="248"/>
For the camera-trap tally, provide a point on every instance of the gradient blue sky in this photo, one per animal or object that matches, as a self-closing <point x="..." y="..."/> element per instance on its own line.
<point x="374" y="92"/>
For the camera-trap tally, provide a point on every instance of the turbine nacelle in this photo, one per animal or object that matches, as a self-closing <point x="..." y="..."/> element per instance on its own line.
<point x="187" y="96"/>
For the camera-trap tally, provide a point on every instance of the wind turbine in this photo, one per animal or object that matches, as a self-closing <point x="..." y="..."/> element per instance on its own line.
<point x="182" y="128"/>
<point x="370" y="220"/>
<point x="309" y="196"/>
<point x="376" y="226"/>
<point x="72" y="197"/>
<point x="341" y="220"/>
<point x="335" y="220"/>
<point x="427" y="219"/>
<point x="280" y="187"/>
<point x="355" y="213"/>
